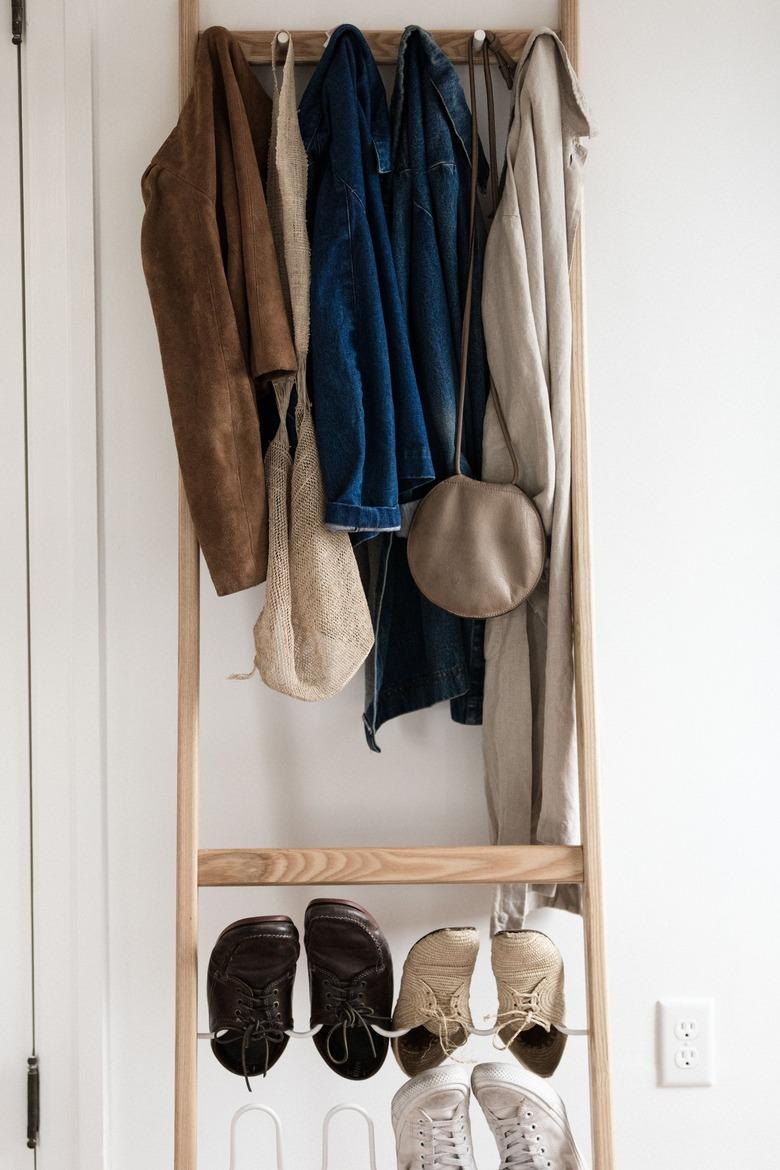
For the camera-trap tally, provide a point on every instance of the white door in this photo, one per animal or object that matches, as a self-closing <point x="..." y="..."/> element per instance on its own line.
<point x="16" y="999"/>
<point x="52" y="919"/>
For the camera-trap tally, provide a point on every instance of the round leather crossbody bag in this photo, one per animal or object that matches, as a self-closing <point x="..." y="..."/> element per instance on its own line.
<point x="476" y="549"/>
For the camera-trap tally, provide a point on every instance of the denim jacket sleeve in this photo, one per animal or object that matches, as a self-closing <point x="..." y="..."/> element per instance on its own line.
<point x="370" y="428"/>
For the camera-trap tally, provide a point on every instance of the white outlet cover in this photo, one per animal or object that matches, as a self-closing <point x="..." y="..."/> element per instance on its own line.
<point x="685" y="1042"/>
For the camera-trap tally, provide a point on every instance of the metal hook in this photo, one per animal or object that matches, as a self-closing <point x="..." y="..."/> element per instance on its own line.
<point x="277" y="1126"/>
<point x="393" y="1034"/>
<point x="493" y="1030"/>
<point x="390" y="1033"/>
<point x="307" y="1035"/>
<point x="479" y="39"/>
<point x="369" y="1122"/>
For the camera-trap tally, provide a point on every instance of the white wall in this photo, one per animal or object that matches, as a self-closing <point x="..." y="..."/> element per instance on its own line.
<point x="682" y="247"/>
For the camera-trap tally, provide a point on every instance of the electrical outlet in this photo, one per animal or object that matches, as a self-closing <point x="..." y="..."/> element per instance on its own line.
<point x="686" y="1056"/>
<point x="686" y="1028"/>
<point x="685" y="1042"/>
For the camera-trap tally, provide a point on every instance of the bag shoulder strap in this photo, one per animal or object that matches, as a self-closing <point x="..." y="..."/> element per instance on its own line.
<point x="491" y="44"/>
<point x="287" y="161"/>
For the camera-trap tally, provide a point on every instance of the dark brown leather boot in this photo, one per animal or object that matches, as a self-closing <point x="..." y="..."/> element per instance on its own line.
<point x="351" y="985"/>
<point x="249" y="989"/>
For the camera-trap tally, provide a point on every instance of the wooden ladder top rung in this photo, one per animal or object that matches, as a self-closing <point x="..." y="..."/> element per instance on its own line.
<point x="377" y="865"/>
<point x="309" y="43"/>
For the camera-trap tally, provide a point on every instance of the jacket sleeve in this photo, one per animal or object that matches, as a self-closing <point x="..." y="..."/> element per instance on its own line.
<point x="211" y="394"/>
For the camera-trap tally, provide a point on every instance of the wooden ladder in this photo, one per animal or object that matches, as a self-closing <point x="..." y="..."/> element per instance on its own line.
<point x="373" y="866"/>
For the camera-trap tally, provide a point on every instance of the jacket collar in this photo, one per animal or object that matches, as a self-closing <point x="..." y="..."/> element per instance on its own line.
<point x="442" y="76"/>
<point x="575" y="106"/>
<point x="347" y="45"/>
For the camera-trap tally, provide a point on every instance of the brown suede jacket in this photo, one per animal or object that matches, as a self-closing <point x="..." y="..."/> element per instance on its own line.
<point x="213" y="279"/>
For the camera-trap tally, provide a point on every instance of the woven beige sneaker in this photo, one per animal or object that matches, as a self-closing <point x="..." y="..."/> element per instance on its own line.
<point x="434" y="998"/>
<point x="529" y="976"/>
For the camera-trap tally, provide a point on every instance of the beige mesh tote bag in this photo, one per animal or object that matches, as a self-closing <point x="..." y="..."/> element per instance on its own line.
<point x="315" y="629"/>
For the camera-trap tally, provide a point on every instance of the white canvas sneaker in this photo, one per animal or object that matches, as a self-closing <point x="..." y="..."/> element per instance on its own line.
<point x="431" y="1121"/>
<point x="527" y="1119"/>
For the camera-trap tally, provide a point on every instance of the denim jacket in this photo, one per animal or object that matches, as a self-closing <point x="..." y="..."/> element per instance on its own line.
<point x="431" y="129"/>
<point x="422" y="654"/>
<point x="371" y="433"/>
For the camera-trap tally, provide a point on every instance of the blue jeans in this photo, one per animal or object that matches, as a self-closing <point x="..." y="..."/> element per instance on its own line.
<point x="438" y="657"/>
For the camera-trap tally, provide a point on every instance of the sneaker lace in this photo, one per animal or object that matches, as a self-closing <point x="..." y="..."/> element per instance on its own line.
<point x="348" y="1009"/>
<point x="443" y="1141"/>
<point x="521" y="1144"/>
<point x="526" y="1012"/>
<point x="252" y="1022"/>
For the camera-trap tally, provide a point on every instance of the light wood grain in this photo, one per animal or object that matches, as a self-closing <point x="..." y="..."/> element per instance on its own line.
<point x="185" y="1124"/>
<point x="219" y="867"/>
<point x="385" y="866"/>
<point x="570" y="30"/>
<point x="189" y="31"/>
<point x="185" y="1089"/>
<point x="584" y="666"/>
<point x="309" y="43"/>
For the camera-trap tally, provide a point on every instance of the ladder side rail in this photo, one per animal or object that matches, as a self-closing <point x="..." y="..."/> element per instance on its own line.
<point x="185" y="1126"/>
<point x="584" y="672"/>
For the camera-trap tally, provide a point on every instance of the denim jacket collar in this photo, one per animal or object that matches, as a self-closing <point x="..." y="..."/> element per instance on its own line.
<point x="348" y="47"/>
<point x="446" y="82"/>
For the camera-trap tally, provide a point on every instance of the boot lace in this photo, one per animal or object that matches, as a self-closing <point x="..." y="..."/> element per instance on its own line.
<point x="521" y="1144"/>
<point x="526" y="1012"/>
<point x="257" y="1017"/>
<point x="443" y="1142"/>
<point x="347" y="1009"/>
<point x="449" y="1018"/>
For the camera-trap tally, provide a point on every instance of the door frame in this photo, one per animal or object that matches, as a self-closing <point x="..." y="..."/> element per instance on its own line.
<point x="15" y="908"/>
<point x="67" y="669"/>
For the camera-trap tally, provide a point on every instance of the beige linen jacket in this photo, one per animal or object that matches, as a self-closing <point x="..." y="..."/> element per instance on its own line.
<point x="529" y="727"/>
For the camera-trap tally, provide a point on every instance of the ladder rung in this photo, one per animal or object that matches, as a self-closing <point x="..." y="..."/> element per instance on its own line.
<point x="383" y="866"/>
<point x="309" y="43"/>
